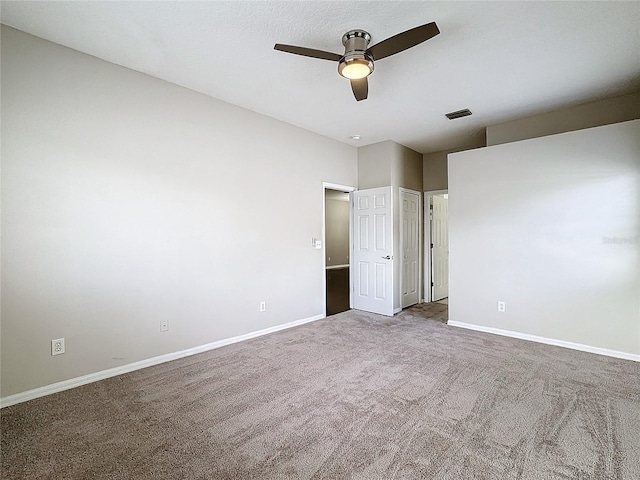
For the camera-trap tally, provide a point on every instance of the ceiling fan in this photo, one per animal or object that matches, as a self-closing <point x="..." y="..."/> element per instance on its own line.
<point x="357" y="62"/>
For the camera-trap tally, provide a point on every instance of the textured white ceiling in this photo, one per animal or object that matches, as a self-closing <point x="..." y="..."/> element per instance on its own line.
<point x="502" y="60"/>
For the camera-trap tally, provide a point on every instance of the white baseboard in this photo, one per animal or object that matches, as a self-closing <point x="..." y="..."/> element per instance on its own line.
<point x="548" y="341"/>
<point x="337" y="267"/>
<point x="112" y="372"/>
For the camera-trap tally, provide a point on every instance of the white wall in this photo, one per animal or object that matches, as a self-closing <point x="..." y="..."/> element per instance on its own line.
<point x="127" y="200"/>
<point x="551" y="226"/>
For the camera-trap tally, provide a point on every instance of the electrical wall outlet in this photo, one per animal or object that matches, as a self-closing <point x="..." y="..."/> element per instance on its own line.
<point x="57" y="346"/>
<point x="164" y="325"/>
<point x="502" y="307"/>
<point x="263" y="306"/>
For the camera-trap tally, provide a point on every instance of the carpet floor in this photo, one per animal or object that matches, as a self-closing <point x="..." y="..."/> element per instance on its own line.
<point x="356" y="396"/>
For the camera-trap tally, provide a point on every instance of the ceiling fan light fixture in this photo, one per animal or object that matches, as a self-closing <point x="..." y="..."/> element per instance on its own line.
<point x="357" y="62"/>
<point x="355" y="67"/>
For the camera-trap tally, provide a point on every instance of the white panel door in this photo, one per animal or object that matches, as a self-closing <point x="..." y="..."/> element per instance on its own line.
<point x="440" y="248"/>
<point x="373" y="250"/>
<point x="410" y="245"/>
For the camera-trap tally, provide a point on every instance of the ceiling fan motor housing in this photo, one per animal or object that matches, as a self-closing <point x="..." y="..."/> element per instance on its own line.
<point x="355" y="44"/>
<point x="355" y="40"/>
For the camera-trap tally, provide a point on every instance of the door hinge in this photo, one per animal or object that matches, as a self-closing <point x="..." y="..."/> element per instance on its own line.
<point x="432" y="284"/>
<point x="432" y="245"/>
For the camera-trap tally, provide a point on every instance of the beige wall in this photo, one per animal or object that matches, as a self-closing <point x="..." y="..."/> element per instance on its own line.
<point x="337" y="231"/>
<point x="374" y="165"/>
<point x="551" y="226"/>
<point x="435" y="171"/>
<point x="128" y="200"/>
<point x="406" y="167"/>
<point x="406" y="172"/>
<point x="602" y="112"/>
<point x="435" y="165"/>
<point x="391" y="164"/>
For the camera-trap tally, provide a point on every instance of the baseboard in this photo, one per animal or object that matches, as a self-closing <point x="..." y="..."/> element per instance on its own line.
<point x="337" y="267"/>
<point x="112" y="372"/>
<point x="548" y="341"/>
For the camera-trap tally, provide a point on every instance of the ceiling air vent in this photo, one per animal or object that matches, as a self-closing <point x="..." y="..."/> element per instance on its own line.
<point x="459" y="114"/>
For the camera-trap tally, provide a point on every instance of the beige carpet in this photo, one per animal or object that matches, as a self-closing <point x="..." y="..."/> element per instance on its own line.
<point x="354" y="396"/>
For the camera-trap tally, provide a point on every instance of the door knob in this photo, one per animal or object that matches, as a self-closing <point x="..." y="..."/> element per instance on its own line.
<point x="388" y="257"/>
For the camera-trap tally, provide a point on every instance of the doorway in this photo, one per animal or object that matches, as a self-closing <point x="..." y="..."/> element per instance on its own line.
<point x="437" y="244"/>
<point x="337" y="234"/>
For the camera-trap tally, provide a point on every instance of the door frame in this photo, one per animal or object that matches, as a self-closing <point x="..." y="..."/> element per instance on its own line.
<point x="427" y="241"/>
<point x="402" y="190"/>
<point x="346" y="189"/>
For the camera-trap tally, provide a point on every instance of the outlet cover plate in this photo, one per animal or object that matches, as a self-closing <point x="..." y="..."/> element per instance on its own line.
<point x="57" y="346"/>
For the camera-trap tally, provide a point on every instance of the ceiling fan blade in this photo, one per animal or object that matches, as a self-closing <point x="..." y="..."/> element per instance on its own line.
<point x="403" y="41"/>
<point x="360" y="88"/>
<point x="308" y="52"/>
